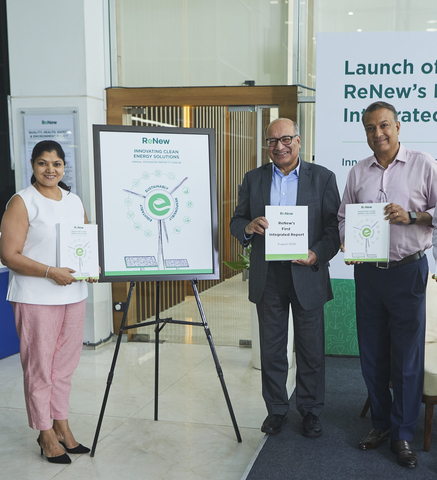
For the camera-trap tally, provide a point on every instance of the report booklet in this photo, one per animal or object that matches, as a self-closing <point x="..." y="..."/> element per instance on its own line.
<point x="77" y="248"/>
<point x="287" y="235"/>
<point x="367" y="233"/>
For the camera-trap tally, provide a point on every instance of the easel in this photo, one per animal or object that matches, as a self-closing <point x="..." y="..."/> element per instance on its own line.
<point x="158" y="328"/>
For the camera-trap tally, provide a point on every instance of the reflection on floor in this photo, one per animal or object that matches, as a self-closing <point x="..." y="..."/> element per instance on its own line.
<point x="194" y="437"/>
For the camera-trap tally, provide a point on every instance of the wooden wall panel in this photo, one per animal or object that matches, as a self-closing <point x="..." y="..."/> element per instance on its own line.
<point x="242" y="159"/>
<point x="284" y="96"/>
<point x="215" y="117"/>
<point x="203" y="107"/>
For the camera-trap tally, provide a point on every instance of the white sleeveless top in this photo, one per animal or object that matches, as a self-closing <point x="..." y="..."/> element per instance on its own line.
<point x="40" y="245"/>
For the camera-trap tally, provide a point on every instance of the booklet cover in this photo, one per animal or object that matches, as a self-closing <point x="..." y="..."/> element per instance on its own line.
<point x="367" y="233"/>
<point x="77" y="248"/>
<point x="287" y="235"/>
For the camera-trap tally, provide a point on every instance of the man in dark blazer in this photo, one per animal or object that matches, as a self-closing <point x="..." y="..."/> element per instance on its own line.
<point x="305" y="284"/>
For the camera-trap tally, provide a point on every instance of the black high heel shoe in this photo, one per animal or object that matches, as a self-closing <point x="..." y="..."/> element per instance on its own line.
<point x="79" y="449"/>
<point x="64" y="459"/>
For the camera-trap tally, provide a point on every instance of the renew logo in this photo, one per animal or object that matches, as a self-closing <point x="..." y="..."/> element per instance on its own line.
<point x="159" y="141"/>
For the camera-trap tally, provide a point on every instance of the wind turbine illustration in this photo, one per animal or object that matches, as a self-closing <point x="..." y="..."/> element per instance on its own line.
<point x="366" y="238"/>
<point x="160" y="205"/>
<point x="79" y="253"/>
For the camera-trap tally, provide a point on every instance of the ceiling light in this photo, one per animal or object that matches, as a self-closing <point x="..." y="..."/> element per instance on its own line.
<point x="350" y="13"/>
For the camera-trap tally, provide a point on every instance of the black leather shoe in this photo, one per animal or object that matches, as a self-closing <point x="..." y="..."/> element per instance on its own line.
<point x="405" y="454"/>
<point x="273" y="424"/>
<point x="311" y="426"/>
<point x="374" y="439"/>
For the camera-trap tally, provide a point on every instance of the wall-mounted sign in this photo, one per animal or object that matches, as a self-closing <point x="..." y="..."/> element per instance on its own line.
<point x="60" y="128"/>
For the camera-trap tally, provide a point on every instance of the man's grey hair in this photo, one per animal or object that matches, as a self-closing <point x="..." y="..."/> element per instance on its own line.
<point x="296" y="128"/>
<point x="377" y="106"/>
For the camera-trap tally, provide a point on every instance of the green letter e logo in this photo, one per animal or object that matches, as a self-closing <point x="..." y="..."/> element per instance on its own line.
<point x="159" y="204"/>
<point x="366" y="232"/>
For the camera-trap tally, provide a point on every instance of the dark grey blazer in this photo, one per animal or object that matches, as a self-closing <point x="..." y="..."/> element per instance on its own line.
<point x="317" y="188"/>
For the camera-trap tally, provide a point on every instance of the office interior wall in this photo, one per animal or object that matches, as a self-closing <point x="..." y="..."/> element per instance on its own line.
<point x="57" y="60"/>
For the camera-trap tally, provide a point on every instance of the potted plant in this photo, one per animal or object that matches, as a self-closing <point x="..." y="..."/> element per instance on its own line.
<point x="243" y="263"/>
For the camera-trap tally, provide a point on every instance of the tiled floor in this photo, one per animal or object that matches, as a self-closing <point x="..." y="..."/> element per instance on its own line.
<point x="194" y="437"/>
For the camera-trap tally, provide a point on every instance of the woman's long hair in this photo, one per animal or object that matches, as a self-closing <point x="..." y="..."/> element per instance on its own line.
<point x="48" y="146"/>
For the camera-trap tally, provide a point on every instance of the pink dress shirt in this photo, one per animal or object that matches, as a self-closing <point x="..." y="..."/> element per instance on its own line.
<point x="409" y="181"/>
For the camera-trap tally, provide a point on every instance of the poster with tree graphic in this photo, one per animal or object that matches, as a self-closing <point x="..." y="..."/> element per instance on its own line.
<point x="156" y="203"/>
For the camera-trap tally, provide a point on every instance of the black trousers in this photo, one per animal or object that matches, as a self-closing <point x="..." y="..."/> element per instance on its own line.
<point x="309" y="338"/>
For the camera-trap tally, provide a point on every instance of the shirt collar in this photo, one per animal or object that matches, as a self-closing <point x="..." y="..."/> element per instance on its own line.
<point x="294" y="172"/>
<point x="401" y="156"/>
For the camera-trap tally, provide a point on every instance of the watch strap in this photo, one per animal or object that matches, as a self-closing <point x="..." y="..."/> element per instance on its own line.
<point x="413" y="217"/>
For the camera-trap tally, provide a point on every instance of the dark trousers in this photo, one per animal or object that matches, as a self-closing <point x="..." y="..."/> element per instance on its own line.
<point x="309" y="338"/>
<point x="391" y="319"/>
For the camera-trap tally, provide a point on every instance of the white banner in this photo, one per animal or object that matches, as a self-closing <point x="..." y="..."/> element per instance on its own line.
<point x="357" y="69"/>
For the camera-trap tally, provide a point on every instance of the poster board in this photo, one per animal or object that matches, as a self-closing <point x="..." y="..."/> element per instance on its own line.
<point x="156" y="203"/>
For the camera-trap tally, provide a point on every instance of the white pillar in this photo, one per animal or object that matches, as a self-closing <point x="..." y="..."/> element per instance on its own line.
<point x="58" y="59"/>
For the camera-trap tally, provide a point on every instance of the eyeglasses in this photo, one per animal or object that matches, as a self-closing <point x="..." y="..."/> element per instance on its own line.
<point x="285" y="140"/>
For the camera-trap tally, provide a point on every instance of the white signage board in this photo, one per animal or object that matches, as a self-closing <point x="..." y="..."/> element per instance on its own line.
<point x="357" y="69"/>
<point x="156" y="203"/>
<point x="59" y="128"/>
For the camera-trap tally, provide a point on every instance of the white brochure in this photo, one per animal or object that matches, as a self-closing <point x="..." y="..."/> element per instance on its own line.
<point x="287" y="235"/>
<point x="367" y="233"/>
<point x="77" y="248"/>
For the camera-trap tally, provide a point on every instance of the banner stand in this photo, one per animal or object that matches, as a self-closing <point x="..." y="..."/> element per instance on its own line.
<point x="159" y="325"/>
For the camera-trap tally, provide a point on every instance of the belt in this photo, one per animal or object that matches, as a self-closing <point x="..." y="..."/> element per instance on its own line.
<point x="404" y="261"/>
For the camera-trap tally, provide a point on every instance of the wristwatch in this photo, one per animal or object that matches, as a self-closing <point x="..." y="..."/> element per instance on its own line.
<point x="413" y="217"/>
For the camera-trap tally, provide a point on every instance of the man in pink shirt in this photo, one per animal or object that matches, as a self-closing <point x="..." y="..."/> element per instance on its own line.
<point x="390" y="297"/>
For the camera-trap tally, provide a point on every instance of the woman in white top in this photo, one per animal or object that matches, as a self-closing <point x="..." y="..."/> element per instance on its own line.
<point x="48" y="302"/>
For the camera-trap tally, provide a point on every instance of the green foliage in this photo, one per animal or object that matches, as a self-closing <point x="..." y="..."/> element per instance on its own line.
<point x="243" y="263"/>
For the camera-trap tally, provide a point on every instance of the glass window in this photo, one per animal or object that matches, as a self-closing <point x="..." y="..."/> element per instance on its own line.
<point x="164" y="43"/>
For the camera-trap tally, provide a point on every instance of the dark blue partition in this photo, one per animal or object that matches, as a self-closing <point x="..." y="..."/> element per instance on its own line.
<point x="9" y="342"/>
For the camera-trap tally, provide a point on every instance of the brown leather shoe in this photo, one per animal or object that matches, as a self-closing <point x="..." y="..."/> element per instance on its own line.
<point x="374" y="439"/>
<point x="405" y="454"/>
